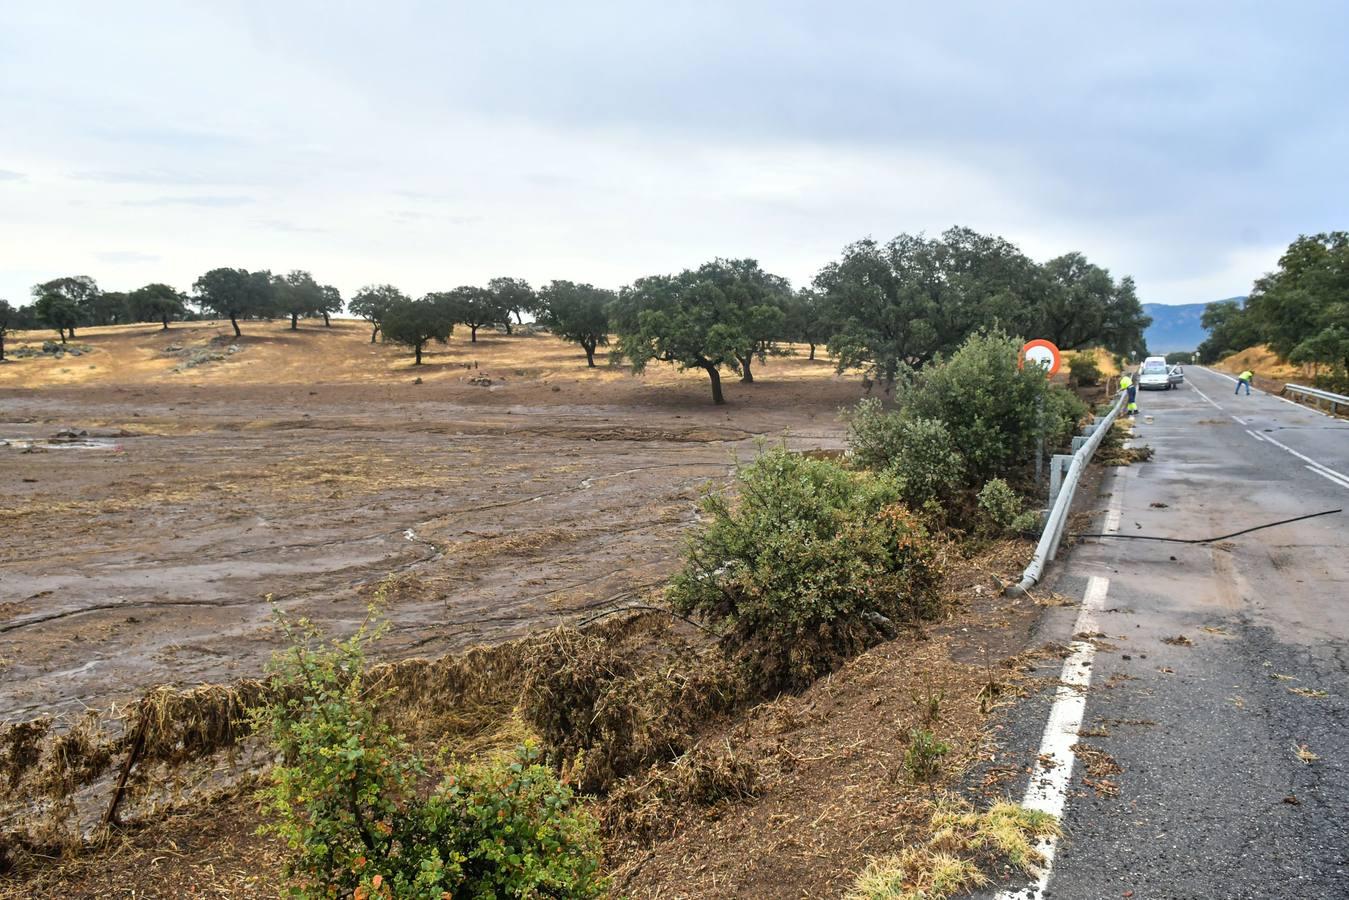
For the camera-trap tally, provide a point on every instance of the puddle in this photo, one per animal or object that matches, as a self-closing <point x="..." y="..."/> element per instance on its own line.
<point x="39" y="445"/>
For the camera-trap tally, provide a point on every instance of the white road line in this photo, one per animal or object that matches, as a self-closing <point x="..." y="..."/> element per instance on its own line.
<point x="1206" y="397"/>
<point x="1254" y="435"/>
<point x="1319" y="465"/>
<point x="1268" y="394"/>
<point x="1330" y="476"/>
<point x="1240" y="420"/>
<point x="1048" y="788"/>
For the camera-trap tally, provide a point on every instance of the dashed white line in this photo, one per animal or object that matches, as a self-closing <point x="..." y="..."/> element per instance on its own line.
<point x="1254" y="435"/>
<point x="1048" y="788"/>
<point x="1240" y="421"/>
<point x="1330" y="475"/>
<point x="1307" y="459"/>
<point x="1206" y="397"/>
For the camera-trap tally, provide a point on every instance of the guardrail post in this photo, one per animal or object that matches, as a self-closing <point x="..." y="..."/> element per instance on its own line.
<point x="1058" y="465"/>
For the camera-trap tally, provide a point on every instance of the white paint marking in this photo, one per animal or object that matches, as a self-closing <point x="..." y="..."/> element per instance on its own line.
<point x="1206" y="397"/>
<point x="1330" y="476"/>
<point x="1308" y="459"/>
<point x="1254" y="435"/>
<point x="1048" y="788"/>
<point x="1240" y="420"/>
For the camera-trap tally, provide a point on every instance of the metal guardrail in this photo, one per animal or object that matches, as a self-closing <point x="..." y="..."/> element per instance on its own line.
<point x="1335" y="400"/>
<point x="1063" y="486"/>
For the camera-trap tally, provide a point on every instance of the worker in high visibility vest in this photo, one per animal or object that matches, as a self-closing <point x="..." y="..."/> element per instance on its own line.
<point x="1127" y="384"/>
<point x="1244" y="378"/>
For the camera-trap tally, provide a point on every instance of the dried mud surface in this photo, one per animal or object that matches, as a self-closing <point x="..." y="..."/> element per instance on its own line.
<point x="513" y="489"/>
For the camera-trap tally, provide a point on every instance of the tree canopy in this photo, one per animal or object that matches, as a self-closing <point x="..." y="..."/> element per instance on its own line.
<point x="513" y="295"/>
<point x="235" y="294"/>
<point x="903" y="303"/>
<point x="64" y="303"/>
<point x="809" y="319"/>
<point x="298" y="294"/>
<point x="578" y="313"/>
<point x="415" y="323"/>
<point x="373" y="303"/>
<point x="714" y="316"/>
<point x="1301" y="310"/>
<point x="475" y="307"/>
<point x="8" y="319"/>
<point x="156" y="303"/>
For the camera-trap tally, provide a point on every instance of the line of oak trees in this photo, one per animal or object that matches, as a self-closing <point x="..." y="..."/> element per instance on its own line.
<point x="878" y="308"/>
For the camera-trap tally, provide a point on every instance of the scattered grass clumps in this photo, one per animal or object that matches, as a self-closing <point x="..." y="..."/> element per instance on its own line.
<point x="811" y="565"/>
<point x="964" y="844"/>
<point x="346" y="797"/>
<point x="601" y="718"/>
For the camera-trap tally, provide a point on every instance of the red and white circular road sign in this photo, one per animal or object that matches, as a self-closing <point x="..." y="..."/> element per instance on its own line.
<point x="1042" y="353"/>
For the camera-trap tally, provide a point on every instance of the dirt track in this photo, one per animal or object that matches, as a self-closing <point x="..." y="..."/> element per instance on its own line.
<point x="492" y="509"/>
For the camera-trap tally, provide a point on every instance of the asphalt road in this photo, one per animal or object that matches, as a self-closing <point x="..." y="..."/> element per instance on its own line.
<point x="1230" y="743"/>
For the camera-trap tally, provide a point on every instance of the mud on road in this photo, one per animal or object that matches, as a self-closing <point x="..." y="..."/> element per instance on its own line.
<point x="146" y="553"/>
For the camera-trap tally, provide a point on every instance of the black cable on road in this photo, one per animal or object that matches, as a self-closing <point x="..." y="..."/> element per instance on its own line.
<point x="1210" y="540"/>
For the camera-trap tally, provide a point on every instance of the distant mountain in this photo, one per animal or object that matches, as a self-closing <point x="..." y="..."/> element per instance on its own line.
<point x="1175" y="328"/>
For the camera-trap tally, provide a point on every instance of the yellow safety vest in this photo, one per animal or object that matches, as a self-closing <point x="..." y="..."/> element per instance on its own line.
<point x="1125" y="382"/>
<point x="1247" y="375"/>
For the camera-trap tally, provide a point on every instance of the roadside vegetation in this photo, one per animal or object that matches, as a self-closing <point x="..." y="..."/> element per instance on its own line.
<point x="513" y="772"/>
<point x="882" y="309"/>
<point x="1299" y="311"/>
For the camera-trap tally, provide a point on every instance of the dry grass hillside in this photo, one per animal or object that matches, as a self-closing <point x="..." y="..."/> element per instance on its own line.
<point x="271" y="353"/>
<point x="1265" y="363"/>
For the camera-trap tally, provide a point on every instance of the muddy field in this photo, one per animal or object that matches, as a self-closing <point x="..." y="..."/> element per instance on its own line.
<point x="149" y="509"/>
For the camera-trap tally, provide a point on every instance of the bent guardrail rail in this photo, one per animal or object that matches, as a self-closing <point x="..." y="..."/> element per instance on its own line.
<point x="1062" y="488"/>
<point x="1335" y="400"/>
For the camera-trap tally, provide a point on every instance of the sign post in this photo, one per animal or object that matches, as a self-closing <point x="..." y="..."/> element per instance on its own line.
<point x="1044" y="354"/>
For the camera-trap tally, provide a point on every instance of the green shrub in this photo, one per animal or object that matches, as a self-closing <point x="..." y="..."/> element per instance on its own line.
<point x="812" y="565"/>
<point x="1000" y="510"/>
<point x="994" y="410"/>
<point x="1084" y="369"/>
<point x="346" y="802"/>
<point x="918" y="453"/>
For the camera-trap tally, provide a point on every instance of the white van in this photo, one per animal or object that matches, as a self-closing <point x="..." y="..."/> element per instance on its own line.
<point x="1154" y="374"/>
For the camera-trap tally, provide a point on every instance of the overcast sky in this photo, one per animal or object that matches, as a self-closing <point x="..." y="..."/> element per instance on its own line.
<point x="434" y="144"/>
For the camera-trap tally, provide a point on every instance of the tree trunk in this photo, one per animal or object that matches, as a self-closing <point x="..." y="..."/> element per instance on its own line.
<point x="590" y="353"/>
<point x="374" y="331"/>
<point x="62" y="332"/>
<point x="519" y="316"/>
<point x="713" y="374"/>
<point x="166" y="322"/>
<point x="746" y="376"/>
<point x="2" y="346"/>
<point x="473" y="336"/>
<point x="508" y="327"/>
<point x="417" y="349"/>
<point x="235" y="322"/>
<point x="71" y="329"/>
<point x="327" y="323"/>
<point x="294" y="321"/>
<point x="812" y="351"/>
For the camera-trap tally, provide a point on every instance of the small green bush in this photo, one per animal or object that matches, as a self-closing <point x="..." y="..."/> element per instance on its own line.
<point x="994" y="410"/>
<point x="345" y="797"/>
<point x="1084" y="369"/>
<point x="1000" y="510"/>
<point x="812" y="565"/>
<point x="918" y="453"/>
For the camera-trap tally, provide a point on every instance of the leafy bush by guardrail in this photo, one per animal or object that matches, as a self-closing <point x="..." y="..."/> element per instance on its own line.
<point x="810" y="566"/>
